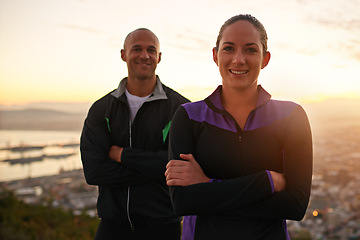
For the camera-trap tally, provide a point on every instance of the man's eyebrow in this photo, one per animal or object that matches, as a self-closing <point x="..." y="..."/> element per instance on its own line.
<point x="135" y="46"/>
<point x="139" y="46"/>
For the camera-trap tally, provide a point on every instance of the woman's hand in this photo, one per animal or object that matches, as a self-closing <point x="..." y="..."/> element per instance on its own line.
<point x="184" y="172"/>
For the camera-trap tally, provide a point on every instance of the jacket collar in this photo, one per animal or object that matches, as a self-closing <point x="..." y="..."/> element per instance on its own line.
<point x="215" y="97"/>
<point x="158" y="93"/>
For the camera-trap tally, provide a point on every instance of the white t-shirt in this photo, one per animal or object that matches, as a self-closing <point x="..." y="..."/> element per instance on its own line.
<point x="135" y="103"/>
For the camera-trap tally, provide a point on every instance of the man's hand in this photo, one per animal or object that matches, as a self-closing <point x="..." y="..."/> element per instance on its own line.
<point x="184" y="173"/>
<point x="115" y="153"/>
<point x="279" y="181"/>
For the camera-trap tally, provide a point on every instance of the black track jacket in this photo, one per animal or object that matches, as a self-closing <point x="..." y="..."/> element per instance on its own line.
<point x="134" y="191"/>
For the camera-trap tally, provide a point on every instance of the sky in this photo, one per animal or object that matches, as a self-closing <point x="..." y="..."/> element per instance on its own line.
<point x="69" y="50"/>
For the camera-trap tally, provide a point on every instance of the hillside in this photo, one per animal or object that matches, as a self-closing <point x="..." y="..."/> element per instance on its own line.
<point x="20" y="221"/>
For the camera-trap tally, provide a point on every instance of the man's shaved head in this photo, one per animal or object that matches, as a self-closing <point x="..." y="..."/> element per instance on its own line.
<point x="129" y="36"/>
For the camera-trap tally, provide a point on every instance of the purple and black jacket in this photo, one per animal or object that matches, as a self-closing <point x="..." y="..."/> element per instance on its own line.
<point x="241" y="202"/>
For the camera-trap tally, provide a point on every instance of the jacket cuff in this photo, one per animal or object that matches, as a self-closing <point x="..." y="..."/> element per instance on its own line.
<point x="271" y="181"/>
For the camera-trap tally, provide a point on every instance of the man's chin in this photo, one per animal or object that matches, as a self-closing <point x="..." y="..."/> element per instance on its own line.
<point x="145" y="76"/>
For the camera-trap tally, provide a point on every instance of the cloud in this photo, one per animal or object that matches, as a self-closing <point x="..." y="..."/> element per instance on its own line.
<point x="79" y="28"/>
<point x="337" y="14"/>
<point x="338" y="28"/>
<point x="116" y="42"/>
<point x="345" y="24"/>
<point x="351" y="48"/>
<point x="190" y="40"/>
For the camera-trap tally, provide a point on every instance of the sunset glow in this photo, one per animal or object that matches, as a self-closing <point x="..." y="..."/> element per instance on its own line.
<point x="68" y="51"/>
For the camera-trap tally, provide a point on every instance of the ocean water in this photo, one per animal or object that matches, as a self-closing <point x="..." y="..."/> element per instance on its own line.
<point x="48" y="153"/>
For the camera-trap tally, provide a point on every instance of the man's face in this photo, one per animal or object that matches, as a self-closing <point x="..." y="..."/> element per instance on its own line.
<point x="142" y="54"/>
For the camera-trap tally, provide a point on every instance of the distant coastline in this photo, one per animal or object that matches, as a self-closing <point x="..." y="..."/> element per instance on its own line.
<point x="70" y="116"/>
<point x="41" y="119"/>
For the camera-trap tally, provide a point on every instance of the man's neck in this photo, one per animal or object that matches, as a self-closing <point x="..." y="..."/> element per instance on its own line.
<point x="141" y="87"/>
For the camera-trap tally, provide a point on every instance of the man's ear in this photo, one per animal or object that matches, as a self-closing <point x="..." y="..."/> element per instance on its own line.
<point x="123" y="55"/>
<point x="159" y="57"/>
<point x="215" y="58"/>
<point x="266" y="59"/>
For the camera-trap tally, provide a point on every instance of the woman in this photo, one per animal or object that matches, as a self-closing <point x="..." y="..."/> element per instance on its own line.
<point x="241" y="162"/>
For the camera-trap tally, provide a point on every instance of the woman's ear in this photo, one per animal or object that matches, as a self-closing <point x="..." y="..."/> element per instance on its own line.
<point x="266" y="59"/>
<point x="215" y="58"/>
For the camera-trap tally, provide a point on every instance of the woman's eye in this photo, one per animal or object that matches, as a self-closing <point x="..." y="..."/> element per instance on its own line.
<point x="228" y="48"/>
<point x="251" y="50"/>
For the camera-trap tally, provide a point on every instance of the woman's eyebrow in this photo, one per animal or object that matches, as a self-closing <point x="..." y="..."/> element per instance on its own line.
<point x="230" y="43"/>
<point x="250" y="44"/>
<point x="247" y="44"/>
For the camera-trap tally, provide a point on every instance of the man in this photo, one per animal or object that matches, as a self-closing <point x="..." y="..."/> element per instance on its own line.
<point x="124" y="148"/>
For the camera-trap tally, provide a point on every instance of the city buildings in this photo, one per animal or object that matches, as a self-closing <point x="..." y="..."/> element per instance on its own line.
<point x="334" y="208"/>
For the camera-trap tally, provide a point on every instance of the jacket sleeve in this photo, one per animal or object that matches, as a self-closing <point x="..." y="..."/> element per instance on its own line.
<point x="298" y="159"/>
<point x="95" y="143"/>
<point x="147" y="163"/>
<point x="217" y="197"/>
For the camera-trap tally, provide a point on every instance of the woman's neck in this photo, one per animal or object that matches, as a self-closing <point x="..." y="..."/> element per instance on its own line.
<point x="239" y="103"/>
<point x="233" y="98"/>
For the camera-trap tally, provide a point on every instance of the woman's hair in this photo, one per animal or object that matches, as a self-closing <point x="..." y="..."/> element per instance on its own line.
<point x="247" y="17"/>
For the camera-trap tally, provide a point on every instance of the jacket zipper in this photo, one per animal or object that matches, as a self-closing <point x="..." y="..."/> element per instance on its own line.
<point x="128" y="197"/>
<point x="128" y="210"/>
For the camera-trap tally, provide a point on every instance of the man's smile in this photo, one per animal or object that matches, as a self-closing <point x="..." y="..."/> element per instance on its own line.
<point x="238" y="72"/>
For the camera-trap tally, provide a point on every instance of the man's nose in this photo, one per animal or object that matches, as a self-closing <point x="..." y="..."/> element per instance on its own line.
<point x="144" y="54"/>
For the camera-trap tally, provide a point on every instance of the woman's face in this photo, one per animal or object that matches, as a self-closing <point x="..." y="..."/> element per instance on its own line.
<point x="240" y="56"/>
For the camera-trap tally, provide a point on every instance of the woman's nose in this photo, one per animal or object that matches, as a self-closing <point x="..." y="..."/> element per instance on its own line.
<point x="239" y="58"/>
